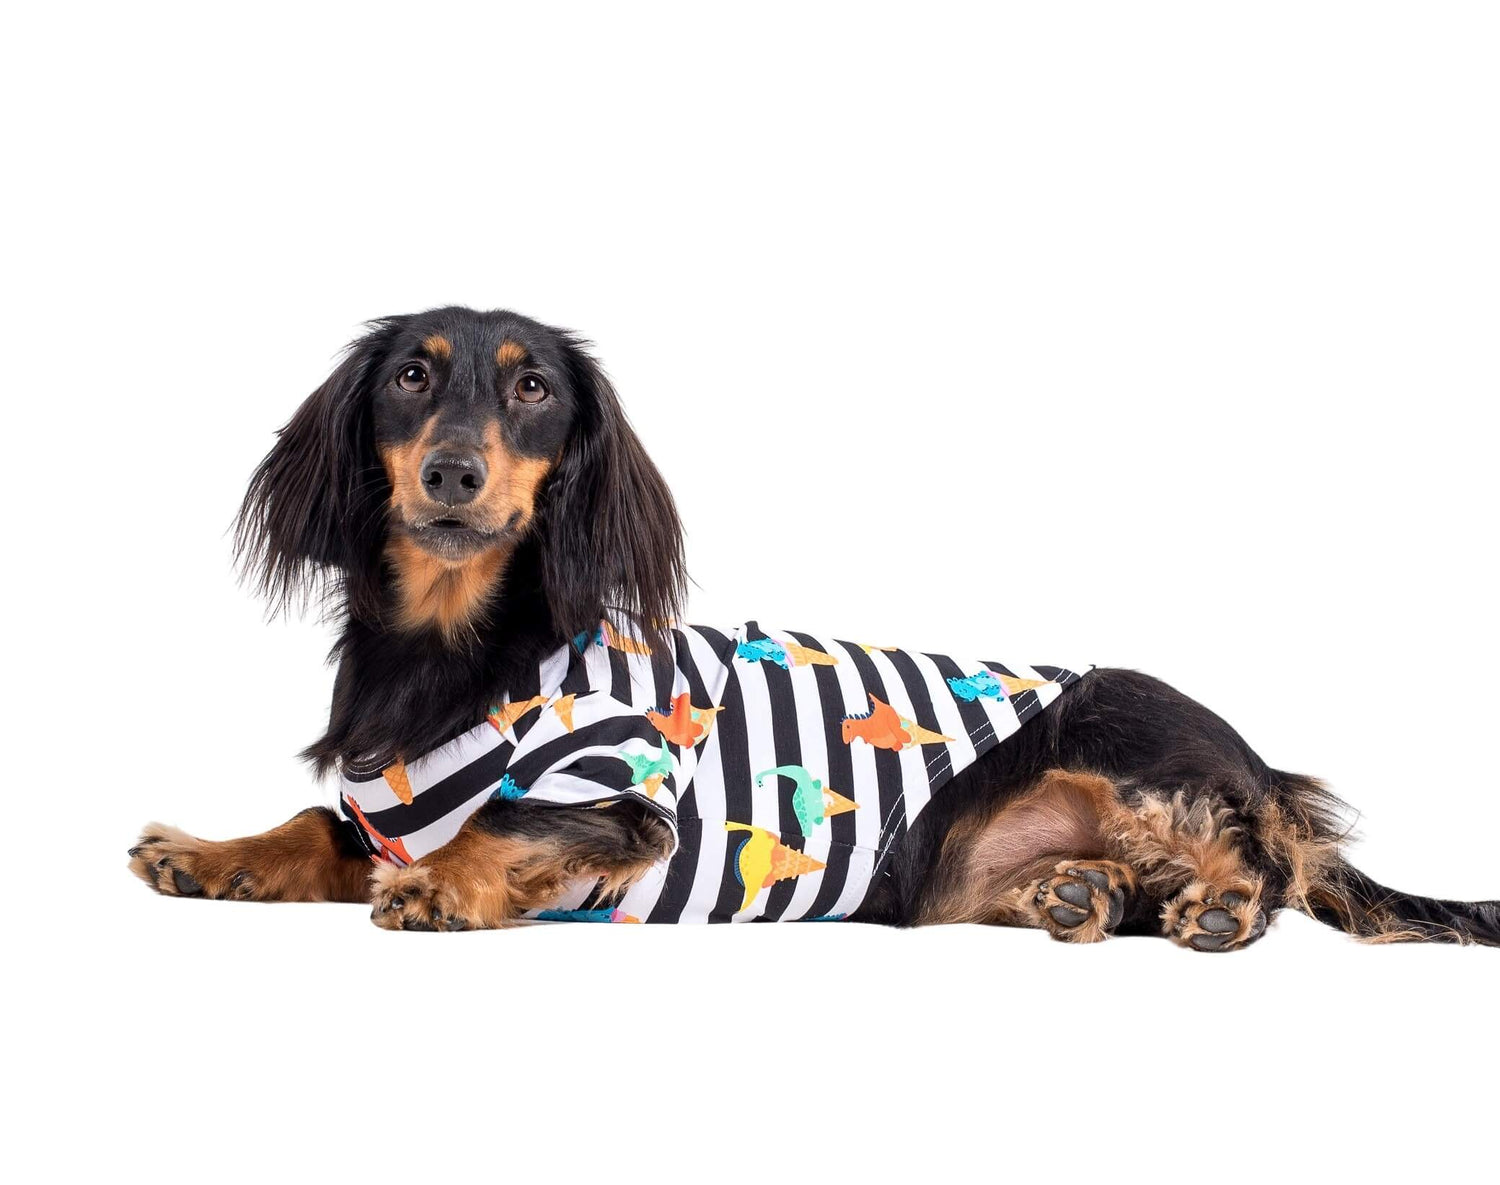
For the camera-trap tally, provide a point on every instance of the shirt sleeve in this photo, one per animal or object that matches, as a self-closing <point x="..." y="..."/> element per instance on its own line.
<point x="589" y="748"/>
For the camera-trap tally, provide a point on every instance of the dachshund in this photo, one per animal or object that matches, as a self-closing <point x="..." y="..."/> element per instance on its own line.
<point x="467" y="494"/>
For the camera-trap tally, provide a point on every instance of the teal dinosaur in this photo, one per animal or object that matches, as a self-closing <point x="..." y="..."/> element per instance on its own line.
<point x="508" y="789"/>
<point x="585" y="915"/>
<point x="807" y="797"/>
<point x="763" y="650"/>
<point x="812" y="802"/>
<point x="984" y="685"/>
<point x="648" y="771"/>
<point x="596" y="636"/>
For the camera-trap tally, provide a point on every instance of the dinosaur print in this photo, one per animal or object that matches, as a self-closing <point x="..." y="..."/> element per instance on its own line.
<point x="885" y="728"/>
<point x="812" y="802"/>
<point x="990" y="685"/>
<point x="388" y="847"/>
<point x="586" y="915"/>
<point x="684" y="724"/>
<point x="648" y="771"/>
<point x="785" y="655"/>
<point x="605" y="634"/>
<point x="594" y="637"/>
<point x="503" y="716"/>
<point x="763" y="650"/>
<point x="508" y="790"/>
<point x="763" y="859"/>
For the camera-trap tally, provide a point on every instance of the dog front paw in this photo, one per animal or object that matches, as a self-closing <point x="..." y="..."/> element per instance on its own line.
<point x="177" y="864"/>
<point x="419" y="898"/>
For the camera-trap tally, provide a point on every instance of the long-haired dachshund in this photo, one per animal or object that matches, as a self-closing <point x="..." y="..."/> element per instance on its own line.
<point x="523" y="730"/>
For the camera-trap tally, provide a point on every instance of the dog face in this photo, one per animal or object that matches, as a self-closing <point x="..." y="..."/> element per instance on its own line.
<point x="470" y="414"/>
<point x="445" y="446"/>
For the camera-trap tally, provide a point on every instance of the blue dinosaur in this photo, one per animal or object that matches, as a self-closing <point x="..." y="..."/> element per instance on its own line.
<point x="508" y="790"/>
<point x="595" y="635"/>
<point x="763" y="650"/>
<point x="983" y="685"/>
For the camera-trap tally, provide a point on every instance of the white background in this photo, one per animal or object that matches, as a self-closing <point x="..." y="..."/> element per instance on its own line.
<point x="1161" y="335"/>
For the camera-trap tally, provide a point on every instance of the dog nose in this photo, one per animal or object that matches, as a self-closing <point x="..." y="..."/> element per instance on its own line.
<point x="453" y="478"/>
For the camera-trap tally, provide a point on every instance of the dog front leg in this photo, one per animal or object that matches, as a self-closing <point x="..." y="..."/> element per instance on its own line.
<point x="311" y="857"/>
<point x="511" y="857"/>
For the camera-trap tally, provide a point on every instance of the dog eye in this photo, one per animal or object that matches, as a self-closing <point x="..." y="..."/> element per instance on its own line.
<point x="413" y="379"/>
<point x="530" y="389"/>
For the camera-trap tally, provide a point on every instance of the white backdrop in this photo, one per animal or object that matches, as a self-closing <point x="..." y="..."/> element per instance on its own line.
<point x="1158" y="334"/>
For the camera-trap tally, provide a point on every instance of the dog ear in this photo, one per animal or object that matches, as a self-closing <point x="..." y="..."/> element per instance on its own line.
<point x="610" y="533"/>
<point x="315" y="506"/>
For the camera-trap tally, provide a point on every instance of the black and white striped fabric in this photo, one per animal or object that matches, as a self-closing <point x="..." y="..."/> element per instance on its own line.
<point x="788" y="766"/>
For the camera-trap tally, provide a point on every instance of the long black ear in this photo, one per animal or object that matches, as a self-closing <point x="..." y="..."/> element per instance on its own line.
<point x="315" y="508"/>
<point x="610" y="531"/>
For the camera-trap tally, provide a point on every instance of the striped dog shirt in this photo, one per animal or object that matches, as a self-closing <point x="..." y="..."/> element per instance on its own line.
<point x="787" y="767"/>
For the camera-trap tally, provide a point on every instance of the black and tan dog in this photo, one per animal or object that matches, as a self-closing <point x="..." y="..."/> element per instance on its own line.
<point x="467" y="489"/>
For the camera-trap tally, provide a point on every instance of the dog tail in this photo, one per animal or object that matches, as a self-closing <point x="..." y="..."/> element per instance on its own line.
<point x="1353" y="902"/>
<point x="1303" y="830"/>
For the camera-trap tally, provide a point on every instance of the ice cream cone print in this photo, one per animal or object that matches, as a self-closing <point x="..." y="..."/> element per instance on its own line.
<point x="503" y="716"/>
<point x="872" y="649"/>
<point x="987" y="684"/>
<point x="810" y="798"/>
<point x="787" y="862"/>
<point x="395" y="777"/>
<point x="804" y="656"/>
<point x="922" y="736"/>
<point x="623" y="642"/>
<point x="763" y="859"/>
<point x="885" y="728"/>
<point x="563" y="706"/>
<point x="835" y="803"/>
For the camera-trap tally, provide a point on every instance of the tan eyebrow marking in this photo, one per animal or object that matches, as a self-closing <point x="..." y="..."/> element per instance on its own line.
<point x="438" y="346"/>
<point x="510" y="353"/>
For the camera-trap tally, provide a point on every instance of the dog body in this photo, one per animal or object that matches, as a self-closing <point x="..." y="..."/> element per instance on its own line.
<point x="466" y="492"/>
<point x="759" y="790"/>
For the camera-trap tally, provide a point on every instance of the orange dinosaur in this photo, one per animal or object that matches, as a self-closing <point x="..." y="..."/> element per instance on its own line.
<point x="388" y="847"/>
<point x="684" y="724"/>
<point x="885" y="728"/>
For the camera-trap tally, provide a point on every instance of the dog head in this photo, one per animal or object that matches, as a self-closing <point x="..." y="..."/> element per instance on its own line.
<point x="442" y="442"/>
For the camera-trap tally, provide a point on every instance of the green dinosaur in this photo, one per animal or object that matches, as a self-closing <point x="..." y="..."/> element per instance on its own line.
<point x="812" y="802"/>
<point x="644" y="768"/>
